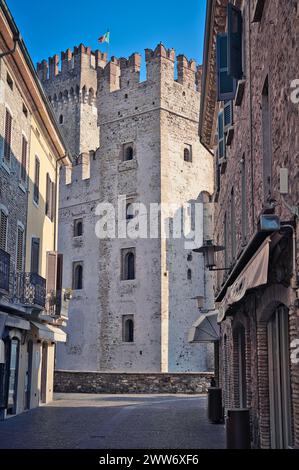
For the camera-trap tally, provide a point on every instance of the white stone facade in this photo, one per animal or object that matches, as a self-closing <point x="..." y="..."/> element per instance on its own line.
<point x="160" y="117"/>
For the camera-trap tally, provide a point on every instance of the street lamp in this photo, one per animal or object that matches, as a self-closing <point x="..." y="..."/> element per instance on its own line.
<point x="209" y="250"/>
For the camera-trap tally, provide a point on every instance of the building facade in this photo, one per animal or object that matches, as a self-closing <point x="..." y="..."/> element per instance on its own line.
<point x="31" y="307"/>
<point x="133" y="300"/>
<point x="249" y="119"/>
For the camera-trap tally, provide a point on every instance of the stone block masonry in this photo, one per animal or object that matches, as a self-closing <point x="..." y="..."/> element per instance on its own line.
<point x="104" y="108"/>
<point x="114" y="383"/>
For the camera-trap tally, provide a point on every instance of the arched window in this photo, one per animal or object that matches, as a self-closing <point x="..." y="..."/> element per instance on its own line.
<point x="78" y="228"/>
<point x="187" y="153"/>
<point x="128" y="329"/>
<point x="78" y="276"/>
<point x="128" y="152"/>
<point x="128" y="264"/>
<point x="61" y="119"/>
<point x="129" y="211"/>
<point x="189" y="275"/>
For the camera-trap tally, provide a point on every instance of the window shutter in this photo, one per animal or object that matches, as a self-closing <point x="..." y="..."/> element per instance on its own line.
<point x="35" y="255"/>
<point x="7" y="141"/>
<point x="226" y="85"/>
<point x="228" y="115"/>
<point x="20" y="249"/>
<point x="48" y="197"/>
<point x="234" y="42"/>
<point x="24" y="159"/>
<point x="36" y="182"/>
<point x="52" y="261"/>
<point x="3" y="230"/>
<point x="221" y="137"/>
<point x="53" y="200"/>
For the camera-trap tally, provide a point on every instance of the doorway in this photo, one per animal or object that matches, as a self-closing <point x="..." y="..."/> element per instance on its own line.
<point x="28" y="374"/>
<point x="44" y="373"/>
<point x="241" y="342"/>
<point x="279" y="379"/>
<point x="13" y="376"/>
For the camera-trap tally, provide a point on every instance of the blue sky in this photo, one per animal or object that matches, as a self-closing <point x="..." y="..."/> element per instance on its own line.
<point x="51" y="26"/>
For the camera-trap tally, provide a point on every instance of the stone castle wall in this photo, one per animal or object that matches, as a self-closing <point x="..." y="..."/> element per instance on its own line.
<point x="159" y="117"/>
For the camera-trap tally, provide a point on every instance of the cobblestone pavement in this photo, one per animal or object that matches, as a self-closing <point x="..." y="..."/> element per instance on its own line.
<point x="114" y="422"/>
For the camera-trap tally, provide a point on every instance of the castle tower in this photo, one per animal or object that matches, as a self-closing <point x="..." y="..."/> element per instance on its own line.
<point x="134" y="308"/>
<point x="71" y="86"/>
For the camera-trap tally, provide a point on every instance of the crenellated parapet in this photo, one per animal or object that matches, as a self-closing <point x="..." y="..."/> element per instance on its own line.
<point x="124" y="73"/>
<point x="70" y="63"/>
<point x="81" y="170"/>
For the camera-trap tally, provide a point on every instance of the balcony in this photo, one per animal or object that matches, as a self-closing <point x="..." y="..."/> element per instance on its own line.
<point x="30" y="290"/>
<point x="4" y="272"/>
<point x="57" y="303"/>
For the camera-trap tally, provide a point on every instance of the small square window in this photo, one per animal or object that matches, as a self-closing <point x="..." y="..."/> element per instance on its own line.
<point x="9" y="81"/>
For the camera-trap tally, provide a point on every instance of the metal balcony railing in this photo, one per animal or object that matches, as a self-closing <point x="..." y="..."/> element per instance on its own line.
<point x="57" y="303"/>
<point x="4" y="272"/>
<point x="30" y="290"/>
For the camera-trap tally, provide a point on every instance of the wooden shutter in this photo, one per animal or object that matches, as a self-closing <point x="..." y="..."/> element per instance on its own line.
<point x="51" y="271"/>
<point x="228" y="115"/>
<point x="226" y="85"/>
<point x="7" y="140"/>
<point x="36" y="180"/>
<point x="234" y="42"/>
<point x="20" y="249"/>
<point x="24" y="159"/>
<point x="53" y="200"/>
<point x="221" y="137"/>
<point x="35" y="255"/>
<point x="3" y="230"/>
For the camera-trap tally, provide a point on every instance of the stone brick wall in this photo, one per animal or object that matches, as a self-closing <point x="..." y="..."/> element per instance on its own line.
<point x="159" y="116"/>
<point x="13" y="196"/>
<point x="113" y="383"/>
<point x="271" y="50"/>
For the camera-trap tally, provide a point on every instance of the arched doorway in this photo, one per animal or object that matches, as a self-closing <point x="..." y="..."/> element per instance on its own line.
<point x="279" y="379"/>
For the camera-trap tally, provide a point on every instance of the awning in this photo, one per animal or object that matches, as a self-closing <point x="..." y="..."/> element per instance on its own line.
<point x="17" y="322"/>
<point x="254" y="274"/>
<point x="205" y="329"/>
<point x="49" y="332"/>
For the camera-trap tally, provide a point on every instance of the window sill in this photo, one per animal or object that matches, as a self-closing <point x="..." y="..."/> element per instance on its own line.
<point x="23" y="188"/>
<point x="128" y="165"/>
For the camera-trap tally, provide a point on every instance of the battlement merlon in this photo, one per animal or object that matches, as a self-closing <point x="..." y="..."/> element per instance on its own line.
<point x="125" y="73"/>
<point x="82" y="169"/>
<point x="71" y="61"/>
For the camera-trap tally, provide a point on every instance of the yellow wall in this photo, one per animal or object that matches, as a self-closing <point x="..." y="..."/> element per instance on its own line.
<point x="39" y="224"/>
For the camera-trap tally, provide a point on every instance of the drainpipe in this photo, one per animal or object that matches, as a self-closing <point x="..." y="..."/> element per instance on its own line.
<point x="16" y="39"/>
<point x="56" y="197"/>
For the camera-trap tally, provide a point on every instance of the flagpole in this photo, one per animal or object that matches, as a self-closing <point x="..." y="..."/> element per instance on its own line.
<point x="108" y="45"/>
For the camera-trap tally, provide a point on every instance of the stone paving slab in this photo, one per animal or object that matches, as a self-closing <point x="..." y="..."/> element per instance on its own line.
<point x="114" y="422"/>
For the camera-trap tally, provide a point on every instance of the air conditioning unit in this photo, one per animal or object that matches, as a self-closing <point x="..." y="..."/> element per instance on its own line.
<point x="258" y="8"/>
